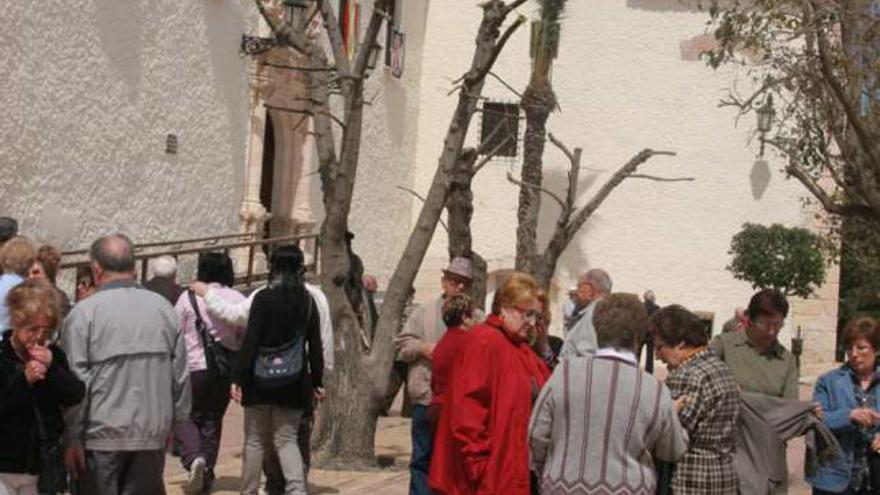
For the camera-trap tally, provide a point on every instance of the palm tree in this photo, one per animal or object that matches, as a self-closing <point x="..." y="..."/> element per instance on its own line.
<point x="538" y="102"/>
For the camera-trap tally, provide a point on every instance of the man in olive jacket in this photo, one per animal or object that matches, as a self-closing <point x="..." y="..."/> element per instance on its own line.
<point x="125" y="343"/>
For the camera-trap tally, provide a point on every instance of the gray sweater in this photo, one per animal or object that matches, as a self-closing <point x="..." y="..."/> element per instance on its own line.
<point x="125" y="343"/>
<point x="599" y="424"/>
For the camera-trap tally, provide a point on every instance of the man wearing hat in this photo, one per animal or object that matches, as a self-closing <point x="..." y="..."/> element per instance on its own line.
<point x="416" y="345"/>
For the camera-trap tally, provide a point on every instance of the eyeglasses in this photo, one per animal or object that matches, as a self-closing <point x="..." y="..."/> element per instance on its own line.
<point x="530" y="315"/>
<point x="769" y="324"/>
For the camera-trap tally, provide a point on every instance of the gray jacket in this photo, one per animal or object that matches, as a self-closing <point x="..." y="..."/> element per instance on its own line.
<point x="125" y="343"/>
<point x="580" y="341"/>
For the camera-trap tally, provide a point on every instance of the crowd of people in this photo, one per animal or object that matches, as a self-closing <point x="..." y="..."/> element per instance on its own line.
<point x="504" y="409"/>
<point x="92" y="394"/>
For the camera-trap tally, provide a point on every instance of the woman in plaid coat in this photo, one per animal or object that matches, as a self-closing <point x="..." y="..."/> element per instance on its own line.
<point x="709" y="398"/>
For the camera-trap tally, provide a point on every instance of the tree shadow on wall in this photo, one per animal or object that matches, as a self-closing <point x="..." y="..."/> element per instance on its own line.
<point x="573" y="260"/>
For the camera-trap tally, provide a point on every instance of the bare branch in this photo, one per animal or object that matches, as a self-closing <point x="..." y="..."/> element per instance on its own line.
<point x="660" y="179"/>
<point x="536" y="187"/>
<point x="471" y="80"/>
<point x="825" y="199"/>
<point x="369" y="39"/>
<point x="490" y="155"/>
<point x="340" y="57"/>
<point x="506" y="84"/>
<point x="584" y="213"/>
<point x="559" y="144"/>
<point x="513" y="6"/>
<point x="422" y="199"/>
<point x="282" y="31"/>
<point x="299" y="68"/>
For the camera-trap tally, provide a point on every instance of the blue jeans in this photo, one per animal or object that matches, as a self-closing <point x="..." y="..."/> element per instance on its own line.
<point x="422" y="445"/>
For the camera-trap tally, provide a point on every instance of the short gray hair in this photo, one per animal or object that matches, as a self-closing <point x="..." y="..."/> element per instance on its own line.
<point x="599" y="279"/>
<point x="164" y="266"/>
<point x="113" y="253"/>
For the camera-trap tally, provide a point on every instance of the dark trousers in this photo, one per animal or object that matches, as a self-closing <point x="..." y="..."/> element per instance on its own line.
<point x="136" y="472"/>
<point x="275" y="482"/>
<point x="422" y="446"/>
<point x="199" y="436"/>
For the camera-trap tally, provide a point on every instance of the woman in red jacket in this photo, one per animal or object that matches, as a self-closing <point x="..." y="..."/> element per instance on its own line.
<point x="483" y="431"/>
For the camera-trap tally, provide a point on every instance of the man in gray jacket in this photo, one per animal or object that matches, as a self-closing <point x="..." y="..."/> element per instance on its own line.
<point x="580" y="340"/>
<point x="125" y="343"/>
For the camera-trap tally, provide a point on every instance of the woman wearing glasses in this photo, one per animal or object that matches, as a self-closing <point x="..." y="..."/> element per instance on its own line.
<point x="850" y="396"/>
<point x="496" y="380"/>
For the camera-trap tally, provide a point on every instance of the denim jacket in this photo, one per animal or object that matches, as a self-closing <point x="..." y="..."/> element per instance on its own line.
<point x="834" y="390"/>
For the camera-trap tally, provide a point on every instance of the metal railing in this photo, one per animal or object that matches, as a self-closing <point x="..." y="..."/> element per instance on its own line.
<point x="205" y="241"/>
<point x="145" y="252"/>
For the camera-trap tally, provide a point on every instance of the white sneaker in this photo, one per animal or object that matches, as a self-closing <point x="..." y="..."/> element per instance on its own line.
<point x="196" y="481"/>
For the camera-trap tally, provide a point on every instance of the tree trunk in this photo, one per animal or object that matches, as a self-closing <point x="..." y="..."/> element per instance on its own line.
<point x="460" y="206"/>
<point x="537" y="102"/>
<point x="358" y="384"/>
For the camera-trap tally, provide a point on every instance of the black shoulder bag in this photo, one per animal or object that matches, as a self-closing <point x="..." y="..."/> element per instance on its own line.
<point x="219" y="360"/>
<point x="282" y="365"/>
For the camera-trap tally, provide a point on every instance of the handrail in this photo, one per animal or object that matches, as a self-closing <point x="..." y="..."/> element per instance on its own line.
<point x="249" y="276"/>
<point x="137" y="247"/>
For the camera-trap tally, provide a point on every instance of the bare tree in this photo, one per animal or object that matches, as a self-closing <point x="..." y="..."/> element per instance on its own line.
<point x="571" y="217"/>
<point x="538" y="101"/>
<point x="358" y="384"/>
<point x="815" y="65"/>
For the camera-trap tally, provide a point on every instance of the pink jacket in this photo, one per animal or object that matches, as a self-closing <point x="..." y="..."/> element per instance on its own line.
<point x="230" y="336"/>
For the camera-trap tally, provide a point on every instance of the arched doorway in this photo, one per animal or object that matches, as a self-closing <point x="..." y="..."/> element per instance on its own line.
<point x="267" y="174"/>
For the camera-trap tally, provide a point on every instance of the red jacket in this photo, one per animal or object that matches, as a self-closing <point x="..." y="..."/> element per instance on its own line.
<point x="443" y="359"/>
<point x="481" y="442"/>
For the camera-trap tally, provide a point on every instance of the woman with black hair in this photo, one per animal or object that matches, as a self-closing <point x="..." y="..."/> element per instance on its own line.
<point x="199" y="435"/>
<point x="280" y="368"/>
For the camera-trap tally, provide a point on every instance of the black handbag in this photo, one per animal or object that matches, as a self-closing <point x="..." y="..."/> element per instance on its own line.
<point x="220" y="361"/>
<point x="282" y="365"/>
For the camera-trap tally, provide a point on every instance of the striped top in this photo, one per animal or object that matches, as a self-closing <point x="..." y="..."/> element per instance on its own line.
<point x="597" y="427"/>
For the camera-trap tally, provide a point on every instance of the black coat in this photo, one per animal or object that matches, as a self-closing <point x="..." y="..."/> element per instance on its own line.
<point x="19" y="401"/>
<point x="275" y="318"/>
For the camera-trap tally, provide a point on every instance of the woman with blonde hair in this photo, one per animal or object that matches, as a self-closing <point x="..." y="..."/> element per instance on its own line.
<point x="35" y="383"/>
<point x="16" y="258"/>
<point x="494" y="385"/>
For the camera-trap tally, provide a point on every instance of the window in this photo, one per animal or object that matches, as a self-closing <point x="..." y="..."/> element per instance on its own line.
<point x="395" y="39"/>
<point x="500" y="128"/>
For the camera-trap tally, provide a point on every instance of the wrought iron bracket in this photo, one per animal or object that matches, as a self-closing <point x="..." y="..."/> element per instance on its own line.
<point x="255" y="45"/>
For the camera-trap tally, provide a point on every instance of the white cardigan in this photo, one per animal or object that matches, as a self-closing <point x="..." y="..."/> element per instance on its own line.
<point x="237" y="314"/>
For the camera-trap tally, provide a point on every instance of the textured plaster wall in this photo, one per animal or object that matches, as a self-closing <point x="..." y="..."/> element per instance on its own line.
<point x="623" y="85"/>
<point x="90" y="88"/>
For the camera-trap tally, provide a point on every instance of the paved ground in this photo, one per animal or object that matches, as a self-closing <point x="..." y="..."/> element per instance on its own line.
<point x="393" y="444"/>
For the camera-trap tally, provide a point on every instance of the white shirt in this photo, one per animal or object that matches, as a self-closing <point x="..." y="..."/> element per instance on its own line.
<point x="237" y="314"/>
<point x="611" y="352"/>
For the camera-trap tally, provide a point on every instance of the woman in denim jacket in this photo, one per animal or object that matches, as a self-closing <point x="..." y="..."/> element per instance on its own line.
<point x="850" y="397"/>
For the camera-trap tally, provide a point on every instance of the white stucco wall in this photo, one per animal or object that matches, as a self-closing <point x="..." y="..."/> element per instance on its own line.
<point x="89" y="89"/>
<point x="623" y="85"/>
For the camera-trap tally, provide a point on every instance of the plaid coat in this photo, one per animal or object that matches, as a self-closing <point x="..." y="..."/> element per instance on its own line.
<point x="710" y="418"/>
